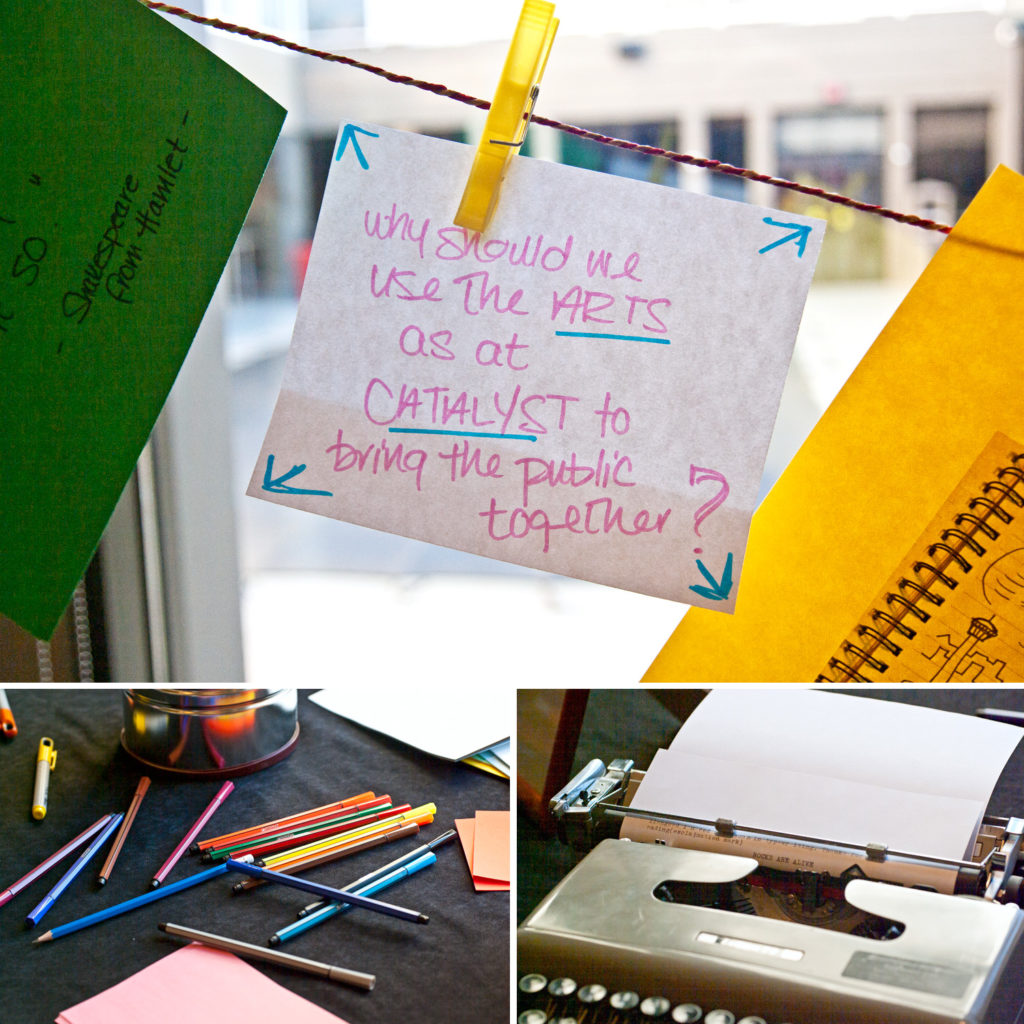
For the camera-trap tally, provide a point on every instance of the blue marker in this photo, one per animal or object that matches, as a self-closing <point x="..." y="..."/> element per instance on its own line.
<point x="385" y="869"/>
<point x="310" y="920"/>
<point x="72" y="872"/>
<point x="138" y="901"/>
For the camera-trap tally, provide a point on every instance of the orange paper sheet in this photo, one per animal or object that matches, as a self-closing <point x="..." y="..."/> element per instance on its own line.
<point x="939" y="381"/>
<point x="485" y="843"/>
<point x="199" y="985"/>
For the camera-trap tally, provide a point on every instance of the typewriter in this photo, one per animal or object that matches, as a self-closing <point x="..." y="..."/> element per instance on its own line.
<point x="640" y="932"/>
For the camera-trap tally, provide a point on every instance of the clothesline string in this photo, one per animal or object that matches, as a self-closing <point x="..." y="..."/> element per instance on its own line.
<point x="717" y="166"/>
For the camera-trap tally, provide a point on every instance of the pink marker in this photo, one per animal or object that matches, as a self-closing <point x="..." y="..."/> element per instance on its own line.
<point x="191" y="834"/>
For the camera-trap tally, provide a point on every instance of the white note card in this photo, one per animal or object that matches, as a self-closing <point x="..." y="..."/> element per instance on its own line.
<point x="588" y="388"/>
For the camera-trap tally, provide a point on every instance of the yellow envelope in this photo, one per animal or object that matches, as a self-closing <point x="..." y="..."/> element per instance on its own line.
<point x="942" y="377"/>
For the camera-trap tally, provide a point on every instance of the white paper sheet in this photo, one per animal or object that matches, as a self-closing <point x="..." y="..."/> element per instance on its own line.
<point x="588" y="389"/>
<point x="829" y="766"/>
<point x="449" y="722"/>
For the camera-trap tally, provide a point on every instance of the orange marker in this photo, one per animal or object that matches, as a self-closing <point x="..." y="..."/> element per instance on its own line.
<point x="260" y="840"/>
<point x="8" y="727"/>
<point x="289" y="819"/>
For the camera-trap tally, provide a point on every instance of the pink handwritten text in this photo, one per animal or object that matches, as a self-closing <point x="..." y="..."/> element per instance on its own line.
<point x="378" y="458"/>
<point x="604" y="472"/>
<point x="599" y="516"/>
<point x="444" y="408"/>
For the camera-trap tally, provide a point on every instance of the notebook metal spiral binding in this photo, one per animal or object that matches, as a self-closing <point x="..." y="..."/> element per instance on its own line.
<point x="894" y="623"/>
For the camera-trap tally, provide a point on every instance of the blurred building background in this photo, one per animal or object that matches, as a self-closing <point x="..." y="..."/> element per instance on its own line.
<point x="906" y="104"/>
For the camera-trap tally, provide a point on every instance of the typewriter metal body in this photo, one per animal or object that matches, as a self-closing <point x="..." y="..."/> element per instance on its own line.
<point x="718" y="930"/>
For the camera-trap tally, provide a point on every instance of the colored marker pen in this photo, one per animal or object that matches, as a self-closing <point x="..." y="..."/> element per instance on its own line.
<point x="46" y="761"/>
<point x="8" y="727"/>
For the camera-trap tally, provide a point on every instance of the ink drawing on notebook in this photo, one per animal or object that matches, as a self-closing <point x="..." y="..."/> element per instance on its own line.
<point x="953" y="610"/>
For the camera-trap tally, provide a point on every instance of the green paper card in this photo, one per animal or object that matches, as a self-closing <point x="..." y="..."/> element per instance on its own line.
<point x="129" y="159"/>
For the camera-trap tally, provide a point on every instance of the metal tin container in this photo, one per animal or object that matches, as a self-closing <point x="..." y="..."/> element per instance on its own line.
<point x="215" y="733"/>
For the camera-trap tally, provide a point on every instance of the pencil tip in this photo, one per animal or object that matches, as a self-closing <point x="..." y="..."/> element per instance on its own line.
<point x="45" y="937"/>
<point x="155" y="884"/>
<point x="162" y="926"/>
<point x="101" y="880"/>
<point x="422" y="919"/>
<point x="274" y="940"/>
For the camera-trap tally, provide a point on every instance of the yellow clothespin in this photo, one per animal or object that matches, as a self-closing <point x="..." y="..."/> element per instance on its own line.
<point x="509" y="114"/>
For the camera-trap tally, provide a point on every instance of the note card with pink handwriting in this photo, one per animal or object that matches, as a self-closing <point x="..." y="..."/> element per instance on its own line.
<point x="588" y="388"/>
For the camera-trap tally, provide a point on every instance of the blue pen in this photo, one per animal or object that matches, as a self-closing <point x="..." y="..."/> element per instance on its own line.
<point x="328" y="892"/>
<point x="137" y="901"/>
<point x="72" y="873"/>
<point x="385" y="869"/>
<point x="314" y="918"/>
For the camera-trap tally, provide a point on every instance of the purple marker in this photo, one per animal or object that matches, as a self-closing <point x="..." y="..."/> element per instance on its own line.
<point x="40" y="869"/>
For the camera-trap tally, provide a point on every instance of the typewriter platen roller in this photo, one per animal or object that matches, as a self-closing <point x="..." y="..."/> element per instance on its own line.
<point x="593" y="805"/>
<point x="663" y="924"/>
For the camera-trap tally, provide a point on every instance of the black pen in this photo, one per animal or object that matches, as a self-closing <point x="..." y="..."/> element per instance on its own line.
<point x="1001" y="715"/>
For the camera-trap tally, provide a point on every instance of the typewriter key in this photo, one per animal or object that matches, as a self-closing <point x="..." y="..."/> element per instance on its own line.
<point x="625" y="1001"/>
<point x="753" y="1020"/>
<point x="562" y="988"/>
<point x="591" y="995"/>
<point x="533" y="992"/>
<point x="686" y="1013"/>
<point x="720" y="1017"/>
<point x="532" y="1017"/>
<point x="654" y="1007"/>
<point x="561" y="991"/>
<point x="530" y="984"/>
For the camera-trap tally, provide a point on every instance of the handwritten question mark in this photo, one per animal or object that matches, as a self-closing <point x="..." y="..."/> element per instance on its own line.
<point x="699" y="475"/>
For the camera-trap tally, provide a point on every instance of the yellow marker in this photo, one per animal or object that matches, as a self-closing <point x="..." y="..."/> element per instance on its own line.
<point x="507" y="119"/>
<point x="46" y="761"/>
<point x="356" y="834"/>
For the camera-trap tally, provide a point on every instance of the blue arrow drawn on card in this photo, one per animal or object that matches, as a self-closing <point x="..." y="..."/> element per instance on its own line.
<point x="719" y="589"/>
<point x="349" y="135"/>
<point x="799" y="235"/>
<point x="279" y="486"/>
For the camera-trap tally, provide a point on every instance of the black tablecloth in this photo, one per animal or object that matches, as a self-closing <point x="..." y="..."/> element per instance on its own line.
<point x="453" y="969"/>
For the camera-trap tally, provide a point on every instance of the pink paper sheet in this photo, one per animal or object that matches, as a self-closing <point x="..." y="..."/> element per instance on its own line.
<point x="199" y="985"/>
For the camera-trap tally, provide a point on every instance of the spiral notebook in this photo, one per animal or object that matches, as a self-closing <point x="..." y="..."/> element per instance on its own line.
<point x="953" y="611"/>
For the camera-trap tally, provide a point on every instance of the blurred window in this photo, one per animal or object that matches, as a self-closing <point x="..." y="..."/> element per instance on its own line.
<point x="334" y="14"/>
<point x="951" y="146"/>
<point x="838" y="151"/>
<point x="596" y="156"/>
<point x="727" y="142"/>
